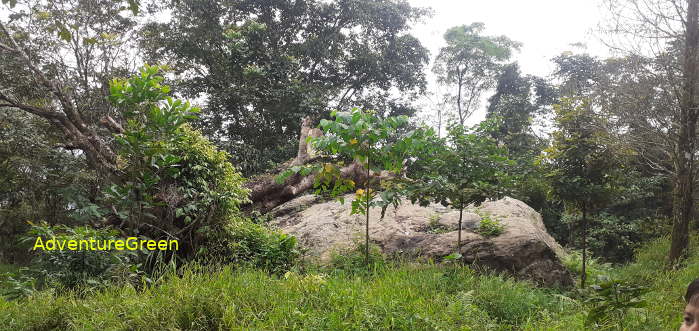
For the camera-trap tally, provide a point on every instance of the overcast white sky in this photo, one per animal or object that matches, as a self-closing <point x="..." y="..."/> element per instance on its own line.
<point x="546" y="28"/>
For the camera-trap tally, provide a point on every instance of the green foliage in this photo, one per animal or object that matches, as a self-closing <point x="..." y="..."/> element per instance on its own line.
<point x="352" y="260"/>
<point x="515" y="105"/>
<point x="581" y="162"/>
<point x="470" y="62"/>
<point x="266" y="72"/>
<point x="490" y="227"/>
<point x="435" y="227"/>
<point x="465" y="168"/>
<point x="74" y="268"/>
<point x="615" y="238"/>
<point x="39" y="180"/>
<point x="515" y="108"/>
<point x="15" y="283"/>
<point x="255" y="245"/>
<point x="594" y="269"/>
<point x="402" y="298"/>
<point x="453" y="257"/>
<point x="611" y="300"/>
<point x="375" y="143"/>
<point x="13" y="287"/>
<point x="177" y="183"/>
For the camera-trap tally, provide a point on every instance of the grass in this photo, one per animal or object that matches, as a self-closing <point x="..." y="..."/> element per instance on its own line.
<point x="405" y="297"/>
<point x="414" y="297"/>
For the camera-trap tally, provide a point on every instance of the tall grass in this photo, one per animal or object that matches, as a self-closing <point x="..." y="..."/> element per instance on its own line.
<point x="417" y="297"/>
<point x="404" y="297"/>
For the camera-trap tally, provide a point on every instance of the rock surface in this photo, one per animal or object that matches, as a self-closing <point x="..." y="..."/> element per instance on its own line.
<point x="524" y="249"/>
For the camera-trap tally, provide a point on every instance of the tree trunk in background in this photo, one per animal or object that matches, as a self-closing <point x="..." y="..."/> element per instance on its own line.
<point x="265" y="193"/>
<point x="458" y="102"/>
<point x="458" y="241"/>
<point x="583" y="277"/>
<point x="366" y="187"/>
<point x="683" y="201"/>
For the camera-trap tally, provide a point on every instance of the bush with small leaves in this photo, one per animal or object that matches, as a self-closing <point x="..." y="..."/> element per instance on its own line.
<point x="490" y="227"/>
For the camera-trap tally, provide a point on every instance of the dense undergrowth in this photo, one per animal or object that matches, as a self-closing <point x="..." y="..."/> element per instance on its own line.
<point x="405" y="297"/>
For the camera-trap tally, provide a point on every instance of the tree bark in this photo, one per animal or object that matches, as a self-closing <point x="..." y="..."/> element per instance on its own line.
<point x="64" y="115"/>
<point x="265" y="193"/>
<point x="683" y="201"/>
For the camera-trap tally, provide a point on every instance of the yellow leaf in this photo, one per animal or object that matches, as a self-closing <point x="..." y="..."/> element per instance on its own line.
<point x="353" y="141"/>
<point x="360" y="192"/>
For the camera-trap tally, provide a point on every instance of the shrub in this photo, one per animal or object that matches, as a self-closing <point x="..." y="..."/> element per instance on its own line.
<point x="175" y="182"/>
<point x="435" y="227"/>
<point x="182" y="185"/>
<point x="254" y="244"/>
<point x="73" y="268"/>
<point x="490" y="227"/>
<point x="615" y="238"/>
<point x="611" y="300"/>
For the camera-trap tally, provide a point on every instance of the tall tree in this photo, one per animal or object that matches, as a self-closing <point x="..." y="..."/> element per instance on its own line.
<point x="469" y="64"/>
<point x="683" y="194"/>
<point x="467" y="167"/>
<point x="57" y="60"/>
<point x="262" y="66"/>
<point x="580" y="162"/>
<point x="656" y="27"/>
<point x="520" y="105"/>
<point x="516" y="101"/>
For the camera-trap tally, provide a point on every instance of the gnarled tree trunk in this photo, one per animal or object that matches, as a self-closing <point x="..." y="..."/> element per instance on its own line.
<point x="266" y="194"/>
<point x="61" y="110"/>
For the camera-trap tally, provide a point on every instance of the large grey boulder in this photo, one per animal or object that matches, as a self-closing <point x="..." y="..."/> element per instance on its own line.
<point x="524" y="249"/>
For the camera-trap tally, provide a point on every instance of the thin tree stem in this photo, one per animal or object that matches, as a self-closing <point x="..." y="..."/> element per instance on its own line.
<point x="366" y="239"/>
<point x="461" y="214"/>
<point x="584" y="247"/>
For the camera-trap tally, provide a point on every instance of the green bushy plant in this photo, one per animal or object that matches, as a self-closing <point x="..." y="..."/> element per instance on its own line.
<point x="610" y="301"/>
<point x="467" y="167"/>
<point x="257" y="245"/>
<point x="16" y="284"/>
<point x="490" y="227"/>
<point x="175" y="183"/>
<point x="377" y="144"/>
<point x="615" y="238"/>
<point x="180" y="186"/>
<point x="74" y="268"/>
<point x="435" y="227"/>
